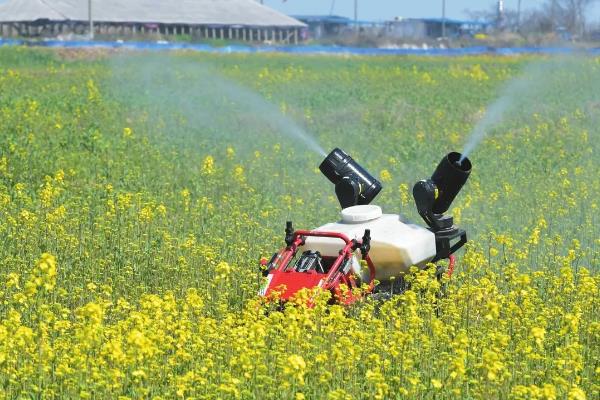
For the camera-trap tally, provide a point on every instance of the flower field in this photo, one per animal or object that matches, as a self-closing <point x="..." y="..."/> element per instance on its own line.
<point x="138" y="192"/>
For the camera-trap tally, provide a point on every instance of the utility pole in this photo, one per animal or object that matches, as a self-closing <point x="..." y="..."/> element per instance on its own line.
<point x="553" y="16"/>
<point x="519" y="16"/>
<point x="443" y="18"/>
<point x="91" y="19"/>
<point x="500" y="21"/>
<point x="356" y="14"/>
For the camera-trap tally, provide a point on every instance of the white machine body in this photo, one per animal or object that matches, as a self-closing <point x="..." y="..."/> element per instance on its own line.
<point x="395" y="245"/>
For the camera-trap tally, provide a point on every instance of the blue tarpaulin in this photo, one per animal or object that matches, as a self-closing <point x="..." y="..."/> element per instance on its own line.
<point x="300" y="49"/>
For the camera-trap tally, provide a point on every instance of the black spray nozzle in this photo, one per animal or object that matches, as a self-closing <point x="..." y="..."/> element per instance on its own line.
<point x="353" y="184"/>
<point x="434" y="196"/>
<point x="449" y="177"/>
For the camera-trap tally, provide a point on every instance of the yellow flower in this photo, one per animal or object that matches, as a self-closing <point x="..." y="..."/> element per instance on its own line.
<point x="295" y="367"/>
<point x="12" y="280"/>
<point x="385" y="175"/>
<point x="208" y="166"/>
<point x="223" y="270"/>
<point x="238" y="174"/>
<point x="538" y="334"/>
<point x="230" y="152"/>
<point x="576" y="394"/>
<point x="92" y="312"/>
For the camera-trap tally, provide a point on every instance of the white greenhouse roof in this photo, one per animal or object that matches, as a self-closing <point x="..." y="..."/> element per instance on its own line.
<point x="188" y="12"/>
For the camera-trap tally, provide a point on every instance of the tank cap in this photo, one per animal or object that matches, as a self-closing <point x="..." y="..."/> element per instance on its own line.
<point x="361" y="213"/>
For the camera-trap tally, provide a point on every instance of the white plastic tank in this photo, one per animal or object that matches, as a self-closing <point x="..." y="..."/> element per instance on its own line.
<point x="395" y="245"/>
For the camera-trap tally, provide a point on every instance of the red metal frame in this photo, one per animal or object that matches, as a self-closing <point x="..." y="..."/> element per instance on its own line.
<point x="293" y="281"/>
<point x="451" y="263"/>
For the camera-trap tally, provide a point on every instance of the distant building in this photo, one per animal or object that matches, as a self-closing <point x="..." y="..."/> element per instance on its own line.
<point x="323" y="26"/>
<point x="244" y="20"/>
<point x="332" y="26"/>
<point x="432" y="28"/>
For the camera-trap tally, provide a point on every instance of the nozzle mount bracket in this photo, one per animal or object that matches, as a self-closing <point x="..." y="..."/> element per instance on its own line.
<point x="443" y="242"/>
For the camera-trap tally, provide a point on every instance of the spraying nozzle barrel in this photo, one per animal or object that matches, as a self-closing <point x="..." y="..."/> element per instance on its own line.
<point x="353" y="184"/>
<point x="449" y="177"/>
<point x="434" y="196"/>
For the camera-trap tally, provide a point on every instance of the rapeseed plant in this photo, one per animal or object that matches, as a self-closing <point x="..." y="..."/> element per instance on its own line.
<point x="129" y="254"/>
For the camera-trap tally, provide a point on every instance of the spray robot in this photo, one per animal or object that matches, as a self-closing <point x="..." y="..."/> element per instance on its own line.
<point x="329" y="256"/>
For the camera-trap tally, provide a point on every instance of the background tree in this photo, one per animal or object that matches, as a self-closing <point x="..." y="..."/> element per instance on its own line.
<point x="569" y="15"/>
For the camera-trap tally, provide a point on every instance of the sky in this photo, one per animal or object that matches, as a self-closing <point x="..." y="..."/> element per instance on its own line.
<point x="378" y="10"/>
<point x="381" y="10"/>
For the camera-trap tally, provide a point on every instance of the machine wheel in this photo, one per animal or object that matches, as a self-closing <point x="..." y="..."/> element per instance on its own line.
<point x="386" y="290"/>
<point x="439" y="272"/>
